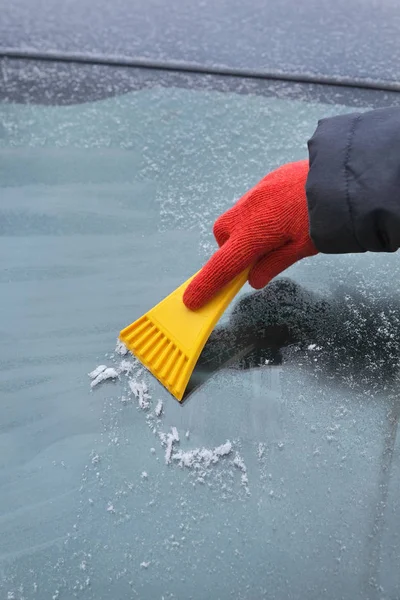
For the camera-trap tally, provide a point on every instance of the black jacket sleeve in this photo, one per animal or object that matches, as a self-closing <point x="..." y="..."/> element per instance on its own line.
<point x="353" y="186"/>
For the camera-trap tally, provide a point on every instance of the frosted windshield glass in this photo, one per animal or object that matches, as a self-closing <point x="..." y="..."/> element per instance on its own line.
<point x="272" y="481"/>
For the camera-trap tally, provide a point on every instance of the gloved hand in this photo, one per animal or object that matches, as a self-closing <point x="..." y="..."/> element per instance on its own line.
<point x="268" y="228"/>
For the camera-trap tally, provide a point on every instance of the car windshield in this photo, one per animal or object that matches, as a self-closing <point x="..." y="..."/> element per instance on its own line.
<point x="279" y="477"/>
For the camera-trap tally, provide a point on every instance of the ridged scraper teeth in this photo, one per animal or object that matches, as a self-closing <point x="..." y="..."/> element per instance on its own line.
<point x="181" y="383"/>
<point x="158" y="349"/>
<point x="139" y="342"/>
<point x="168" y="348"/>
<point x="177" y="369"/>
<point x="169" y="363"/>
<point x="136" y="328"/>
<point x="152" y="346"/>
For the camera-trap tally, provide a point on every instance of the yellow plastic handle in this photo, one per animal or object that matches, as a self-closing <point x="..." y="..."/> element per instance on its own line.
<point x="168" y="339"/>
<point x="224" y="296"/>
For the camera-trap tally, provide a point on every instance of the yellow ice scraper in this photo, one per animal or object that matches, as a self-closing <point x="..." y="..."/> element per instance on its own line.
<point x="169" y="338"/>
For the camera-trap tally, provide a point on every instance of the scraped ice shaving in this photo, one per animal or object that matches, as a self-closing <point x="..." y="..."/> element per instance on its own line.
<point x="197" y="460"/>
<point x="126" y="366"/>
<point x="168" y="440"/>
<point x="97" y="371"/>
<point x="239" y="463"/>
<point x="261" y="449"/>
<point x="103" y="375"/>
<point x="202" y="456"/>
<point x="139" y="390"/>
<point x="121" y="349"/>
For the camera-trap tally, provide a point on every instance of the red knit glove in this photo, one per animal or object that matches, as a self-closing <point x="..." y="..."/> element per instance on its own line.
<point x="267" y="227"/>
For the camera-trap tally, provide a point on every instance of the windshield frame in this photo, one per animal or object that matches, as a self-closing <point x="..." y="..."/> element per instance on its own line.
<point x="32" y="81"/>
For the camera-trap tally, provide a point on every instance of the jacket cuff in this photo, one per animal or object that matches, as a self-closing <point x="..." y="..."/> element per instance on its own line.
<point x="329" y="204"/>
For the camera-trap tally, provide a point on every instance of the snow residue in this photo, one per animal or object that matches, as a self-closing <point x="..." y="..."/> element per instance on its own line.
<point x="110" y="508"/>
<point x="145" y="565"/>
<point x="198" y="461"/>
<point x="202" y="456"/>
<point x="102" y="373"/>
<point x="139" y="390"/>
<point x="159" y="408"/>
<point x="239" y="463"/>
<point x="168" y="441"/>
<point x="121" y="349"/>
<point x="261" y="450"/>
<point x="97" y="371"/>
<point x="126" y="366"/>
